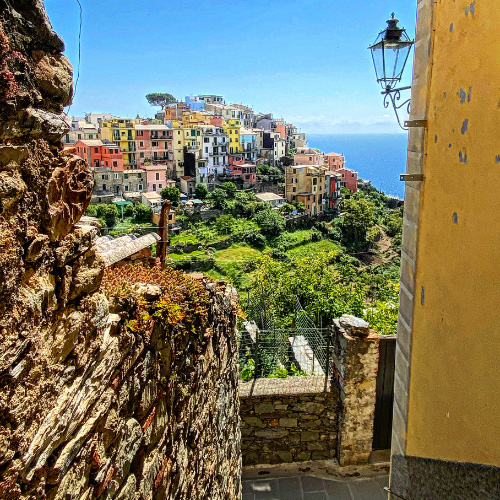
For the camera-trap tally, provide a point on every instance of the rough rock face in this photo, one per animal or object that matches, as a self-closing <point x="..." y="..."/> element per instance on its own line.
<point x="92" y="403"/>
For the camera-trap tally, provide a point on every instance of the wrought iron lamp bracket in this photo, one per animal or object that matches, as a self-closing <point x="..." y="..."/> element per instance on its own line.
<point x="393" y="96"/>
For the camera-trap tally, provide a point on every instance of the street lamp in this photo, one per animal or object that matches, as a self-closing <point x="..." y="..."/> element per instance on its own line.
<point x="390" y="53"/>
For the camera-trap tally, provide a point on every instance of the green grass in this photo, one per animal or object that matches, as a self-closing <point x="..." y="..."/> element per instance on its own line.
<point x="185" y="237"/>
<point x="237" y="253"/>
<point x="124" y="226"/>
<point x="216" y="275"/>
<point x="310" y="249"/>
<point x="185" y="256"/>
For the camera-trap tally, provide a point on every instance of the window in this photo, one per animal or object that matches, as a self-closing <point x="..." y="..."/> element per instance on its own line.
<point x="160" y="186"/>
<point x="96" y="150"/>
<point x="154" y="187"/>
<point x="141" y="154"/>
<point x="352" y="175"/>
<point x="206" y="150"/>
<point x="141" y="144"/>
<point x="294" y="189"/>
<point x="126" y="187"/>
<point x="155" y="144"/>
<point x="178" y="142"/>
<point x="104" y="187"/>
<point x="157" y="176"/>
<point x="205" y="139"/>
<point x="139" y="187"/>
<point x="79" y="136"/>
<point x="116" y="175"/>
<point x="125" y="176"/>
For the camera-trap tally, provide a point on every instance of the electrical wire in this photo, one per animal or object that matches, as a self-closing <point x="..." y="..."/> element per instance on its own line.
<point x="79" y="53"/>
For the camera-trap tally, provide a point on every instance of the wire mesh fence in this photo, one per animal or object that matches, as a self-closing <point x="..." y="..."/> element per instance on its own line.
<point x="270" y="352"/>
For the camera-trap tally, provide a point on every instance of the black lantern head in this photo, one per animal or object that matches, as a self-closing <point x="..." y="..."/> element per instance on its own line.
<point x="390" y="53"/>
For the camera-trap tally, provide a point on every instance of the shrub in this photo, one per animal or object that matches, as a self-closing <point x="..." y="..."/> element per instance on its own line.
<point x="271" y="223"/>
<point x="142" y="213"/>
<point x="255" y="239"/>
<point x="201" y="191"/>
<point x="129" y="211"/>
<point x="91" y="211"/>
<point x="171" y="194"/>
<point x="230" y="188"/>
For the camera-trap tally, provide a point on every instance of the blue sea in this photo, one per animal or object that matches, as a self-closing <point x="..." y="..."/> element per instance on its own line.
<point x="379" y="158"/>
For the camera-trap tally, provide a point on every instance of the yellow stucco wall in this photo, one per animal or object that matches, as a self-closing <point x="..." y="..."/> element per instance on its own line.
<point x="454" y="399"/>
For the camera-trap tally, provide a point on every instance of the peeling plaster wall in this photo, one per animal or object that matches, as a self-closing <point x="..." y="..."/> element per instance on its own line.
<point x="446" y="392"/>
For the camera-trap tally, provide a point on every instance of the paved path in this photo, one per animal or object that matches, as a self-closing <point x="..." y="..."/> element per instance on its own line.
<point x="312" y="488"/>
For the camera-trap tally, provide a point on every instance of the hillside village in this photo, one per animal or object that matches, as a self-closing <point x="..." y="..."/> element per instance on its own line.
<point x="206" y="141"/>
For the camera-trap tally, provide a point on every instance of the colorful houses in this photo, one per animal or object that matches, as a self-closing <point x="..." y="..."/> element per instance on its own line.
<point x="206" y="140"/>
<point x="306" y="184"/>
<point x="154" y="144"/>
<point x="308" y="156"/>
<point x="334" y="161"/>
<point x="100" y="154"/>
<point x="122" y="132"/>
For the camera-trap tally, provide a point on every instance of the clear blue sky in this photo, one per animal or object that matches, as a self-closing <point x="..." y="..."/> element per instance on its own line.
<point x="305" y="60"/>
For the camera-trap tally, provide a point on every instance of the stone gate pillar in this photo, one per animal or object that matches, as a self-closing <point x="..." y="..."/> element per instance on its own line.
<point x="355" y="367"/>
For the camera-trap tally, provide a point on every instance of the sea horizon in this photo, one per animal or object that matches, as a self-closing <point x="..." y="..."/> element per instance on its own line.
<point x="377" y="157"/>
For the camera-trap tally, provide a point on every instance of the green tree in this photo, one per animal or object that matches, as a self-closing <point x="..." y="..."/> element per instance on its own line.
<point x="230" y="188"/>
<point x="160" y="99"/>
<point x="218" y="198"/>
<point x="345" y="193"/>
<point x="286" y="208"/>
<point x="129" y="211"/>
<point x="91" y="211"/>
<point x="270" y="222"/>
<point x="225" y="223"/>
<point x="358" y="216"/>
<point x="142" y="213"/>
<point x="301" y="206"/>
<point x="171" y="193"/>
<point x="201" y="191"/>
<point x="109" y="213"/>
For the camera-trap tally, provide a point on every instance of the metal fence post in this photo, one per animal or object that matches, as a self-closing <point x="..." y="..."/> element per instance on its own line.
<point x="328" y="347"/>
<point x="257" y="354"/>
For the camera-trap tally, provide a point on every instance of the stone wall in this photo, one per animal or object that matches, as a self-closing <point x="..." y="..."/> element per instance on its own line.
<point x="355" y="368"/>
<point x="113" y="384"/>
<point x="293" y="426"/>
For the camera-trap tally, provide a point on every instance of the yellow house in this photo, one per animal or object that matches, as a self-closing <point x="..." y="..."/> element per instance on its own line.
<point x="122" y="131"/>
<point x="446" y="420"/>
<point x="232" y="128"/>
<point x="178" y="142"/>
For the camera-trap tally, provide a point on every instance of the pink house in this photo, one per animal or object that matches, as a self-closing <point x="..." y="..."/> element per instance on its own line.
<point x="157" y="178"/>
<point x="349" y="179"/>
<point x="308" y="156"/>
<point x="154" y="144"/>
<point x="335" y="161"/>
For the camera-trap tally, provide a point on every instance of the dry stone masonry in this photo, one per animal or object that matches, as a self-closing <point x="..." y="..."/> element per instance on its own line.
<point x="355" y="368"/>
<point x="289" y="427"/>
<point x="111" y="386"/>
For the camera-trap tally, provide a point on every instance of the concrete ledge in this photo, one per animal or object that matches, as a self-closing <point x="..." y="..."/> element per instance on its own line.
<point x="284" y="386"/>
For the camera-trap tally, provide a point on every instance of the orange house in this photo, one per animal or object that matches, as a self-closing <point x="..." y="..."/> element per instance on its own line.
<point x="100" y="154"/>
